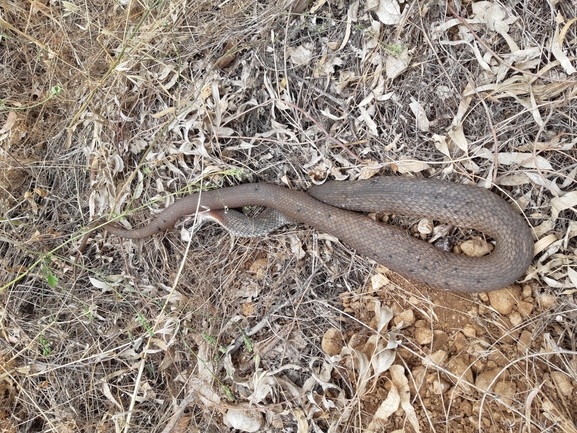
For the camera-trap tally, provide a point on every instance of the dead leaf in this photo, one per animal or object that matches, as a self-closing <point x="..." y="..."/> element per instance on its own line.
<point x="395" y="65"/>
<point x="409" y="166"/>
<point x="258" y="268"/>
<point x="568" y="201"/>
<point x="245" y="419"/>
<point x="388" y="11"/>
<point x="420" y="115"/>
<point x="556" y="46"/>
<point x="301" y="55"/>
<point x="11" y="120"/>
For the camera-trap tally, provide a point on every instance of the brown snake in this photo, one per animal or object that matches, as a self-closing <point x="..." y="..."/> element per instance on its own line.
<point x="461" y="205"/>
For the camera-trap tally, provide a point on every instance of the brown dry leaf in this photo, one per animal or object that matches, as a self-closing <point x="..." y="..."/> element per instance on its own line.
<point x="388" y="11"/>
<point x="303" y="424"/>
<point x="258" y="268"/>
<point x="557" y="46"/>
<point x="245" y="418"/>
<point x="11" y="120"/>
<point x="395" y="65"/>
<point x="329" y="63"/>
<point x="228" y="55"/>
<point x="106" y="391"/>
<point x="248" y="309"/>
<point x="409" y="166"/>
<point x="299" y="6"/>
<point x="369" y="171"/>
<point x="262" y="383"/>
<point x="559" y="204"/>
<point x="366" y="118"/>
<point x="524" y="59"/>
<point x="402" y="383"/>
<point x="399" y="396"/>
<point x="317" y="5"/>
<point x="182" y="425"/>
<point x="572" y="274"/>
<point x="420" y="115"/>
<point x="457" y="136"/>
<point x="301" y="55"/>
<point x="495" y="17"/>
<point x="388" y="407"/>
<point x="41" y="192"/>
<point x="31" y="202"/>
<point x="527" y="160"/>
<point x="545" y="242"/>
<point x="442" y="145"/>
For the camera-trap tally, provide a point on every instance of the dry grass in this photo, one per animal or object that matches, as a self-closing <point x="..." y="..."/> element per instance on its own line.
<point x="110" y="108"/>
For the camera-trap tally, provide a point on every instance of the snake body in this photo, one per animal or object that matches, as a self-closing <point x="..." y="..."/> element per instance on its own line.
<point x="328" y="208"/>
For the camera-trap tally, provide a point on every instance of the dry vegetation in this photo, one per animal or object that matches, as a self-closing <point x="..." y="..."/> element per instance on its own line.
<point x="116" y="107"/>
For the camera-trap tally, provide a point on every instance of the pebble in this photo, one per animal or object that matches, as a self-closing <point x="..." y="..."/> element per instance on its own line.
<point x="524" y="341"/>
<point x="563" y="383"/>
<point x="332" y="342"/>
<point x="486" y="378"/>
<point x="460" y="367"/>
<point x="503" y="300"/>
<point x="423" y="335"/>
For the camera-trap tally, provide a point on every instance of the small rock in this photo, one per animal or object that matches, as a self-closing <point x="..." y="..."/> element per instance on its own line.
<point x="332" y="342"/>
<point x="379" y="281"/>
<point x="502" y="300"/>
<point x="466" y="408"/>
<point x="563" y="383"/>
<point x="515" y="318"/>
<point x="525" y="308"/>
<point x="437" y="358"/>
<point x="423" y="335"/>
<point x="469" y="331"/>
<point x="527" y="291"/>
<point x="440" y="339"/>
<point x="506" y="391"/>
<point x="485" y="379"/>
<point x="460" y="342"/>
<point x="508" y="336"/>
<point x="460" y="367"/>
<point x="476" y="247"/>
<point x="440" y="386"/>
<point x="524" y="342"/>
<point x="495" y="359"/>
<point x="547" y="300"/>
<point x="415" y="385"/>
<point x="406" y="317"/>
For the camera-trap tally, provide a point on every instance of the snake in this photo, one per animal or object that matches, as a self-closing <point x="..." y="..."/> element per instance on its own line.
<point x="338" y="208"/>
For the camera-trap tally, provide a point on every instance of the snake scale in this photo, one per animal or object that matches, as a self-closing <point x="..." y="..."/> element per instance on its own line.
<point x="329" y="208"/>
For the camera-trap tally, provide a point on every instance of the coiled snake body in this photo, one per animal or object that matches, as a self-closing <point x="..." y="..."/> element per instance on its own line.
<point x="328" y="208"/>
